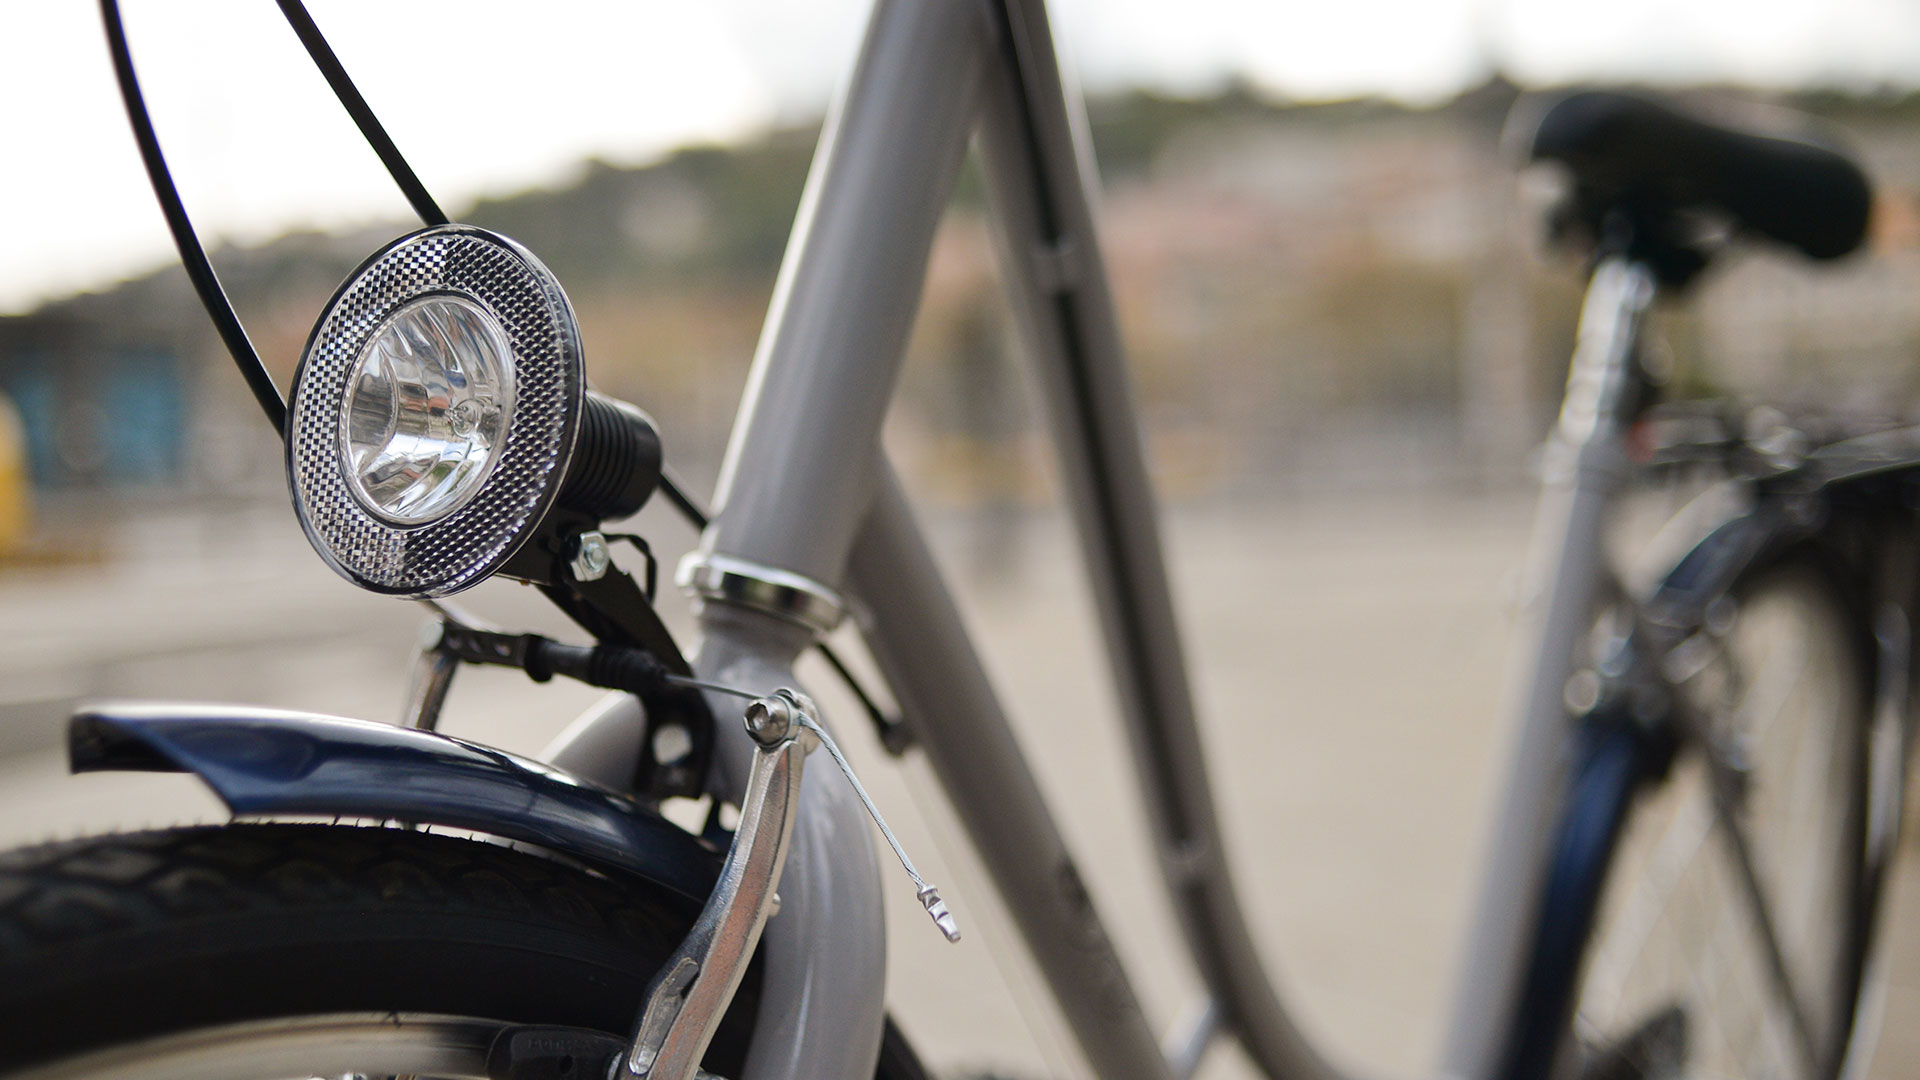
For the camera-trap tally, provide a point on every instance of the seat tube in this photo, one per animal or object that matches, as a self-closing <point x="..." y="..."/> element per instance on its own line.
<point x="1584" y="469"/>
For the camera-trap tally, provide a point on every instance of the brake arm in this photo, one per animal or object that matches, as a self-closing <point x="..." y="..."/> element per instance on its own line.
<point x="689" y="995"/>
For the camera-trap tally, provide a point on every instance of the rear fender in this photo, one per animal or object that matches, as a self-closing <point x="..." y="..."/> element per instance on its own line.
<point x="267" y="763"/>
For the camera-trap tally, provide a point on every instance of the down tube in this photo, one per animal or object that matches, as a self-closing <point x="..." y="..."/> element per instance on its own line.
<point x="1037" y="164"/>
<point x="922" y="647"/>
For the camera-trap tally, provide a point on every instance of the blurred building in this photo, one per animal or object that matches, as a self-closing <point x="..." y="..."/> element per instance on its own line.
<point x="102" y="404"/>
<point x="1313" y="297"/>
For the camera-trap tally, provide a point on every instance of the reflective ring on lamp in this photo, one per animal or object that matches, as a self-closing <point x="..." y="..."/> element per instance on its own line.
<point x="435" y="412"/>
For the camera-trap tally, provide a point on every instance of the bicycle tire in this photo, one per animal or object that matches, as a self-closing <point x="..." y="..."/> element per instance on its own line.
<point x="1674" y="977"/>
<point x="127" y="952"/>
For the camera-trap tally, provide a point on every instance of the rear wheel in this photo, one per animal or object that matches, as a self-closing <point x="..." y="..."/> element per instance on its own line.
<point x="1728" y="938"/>
<point x="258" y="951"/>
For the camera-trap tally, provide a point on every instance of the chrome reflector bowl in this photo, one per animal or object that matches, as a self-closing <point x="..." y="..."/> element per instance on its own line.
<point x="435" y="412"/>
<point x="427" y="408"/>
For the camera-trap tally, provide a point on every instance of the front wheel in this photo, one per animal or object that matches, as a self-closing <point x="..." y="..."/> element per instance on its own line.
<point x="1727" y="941"/>
<point x="256" y="951"/>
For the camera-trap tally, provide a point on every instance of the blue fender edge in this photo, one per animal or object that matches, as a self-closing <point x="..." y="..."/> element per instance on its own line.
<point x="268" y="763"/>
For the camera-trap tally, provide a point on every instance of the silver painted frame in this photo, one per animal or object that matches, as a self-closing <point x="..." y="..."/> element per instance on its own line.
<point x="805" y="490"/>
<point x="1585" y="468"/>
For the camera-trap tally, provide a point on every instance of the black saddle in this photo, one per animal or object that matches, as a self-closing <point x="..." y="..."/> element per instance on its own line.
<point x="1644" y="174"/>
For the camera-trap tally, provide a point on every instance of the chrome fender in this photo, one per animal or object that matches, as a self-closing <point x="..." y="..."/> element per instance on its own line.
<point x="268" y="763"/>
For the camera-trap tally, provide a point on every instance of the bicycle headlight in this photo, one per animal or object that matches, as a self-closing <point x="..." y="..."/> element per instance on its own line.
<point x="436" y="412"/>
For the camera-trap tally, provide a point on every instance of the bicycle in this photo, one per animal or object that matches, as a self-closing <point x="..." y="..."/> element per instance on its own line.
<point x="608" y="941"/>
<point x="1671" y="745"/>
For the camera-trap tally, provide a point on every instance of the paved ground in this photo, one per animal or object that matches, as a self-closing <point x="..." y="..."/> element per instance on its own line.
<point x="1349" y="657"/>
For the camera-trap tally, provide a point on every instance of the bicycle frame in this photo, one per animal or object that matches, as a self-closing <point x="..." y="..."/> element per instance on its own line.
<point x="809" y="507"/>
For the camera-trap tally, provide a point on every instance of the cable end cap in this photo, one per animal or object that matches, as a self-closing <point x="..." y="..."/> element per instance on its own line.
<point x="937" y="908"/>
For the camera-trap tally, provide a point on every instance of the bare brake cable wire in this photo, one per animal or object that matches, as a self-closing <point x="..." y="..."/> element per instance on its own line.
<point x="192" y="256"/>
<point x="924" y="891"/>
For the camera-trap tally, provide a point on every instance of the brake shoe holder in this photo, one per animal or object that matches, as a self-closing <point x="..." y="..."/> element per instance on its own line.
<point x="687" y="998"/>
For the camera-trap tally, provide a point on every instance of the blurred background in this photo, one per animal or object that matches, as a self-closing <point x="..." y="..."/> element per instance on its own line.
<point x="1346" y="340"/>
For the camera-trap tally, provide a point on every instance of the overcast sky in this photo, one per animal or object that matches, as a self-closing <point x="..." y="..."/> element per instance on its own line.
<point x="491" y="96"/>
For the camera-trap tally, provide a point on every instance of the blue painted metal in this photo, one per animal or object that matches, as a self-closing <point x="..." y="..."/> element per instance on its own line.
<point x="1614" y="757"/>
<point x="264" y="763"/>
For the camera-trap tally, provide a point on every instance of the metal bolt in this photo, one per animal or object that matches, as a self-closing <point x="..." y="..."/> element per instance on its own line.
<point x="1582" y="692"/>
<point x="590" y="557"/>
<point x="769" y="719"/>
